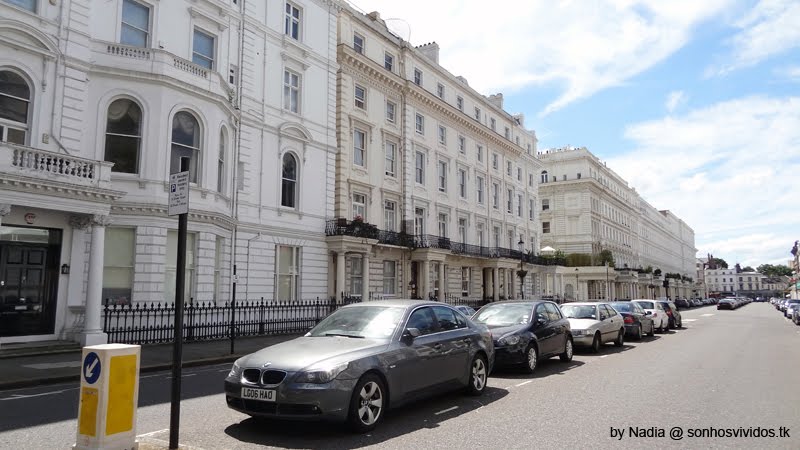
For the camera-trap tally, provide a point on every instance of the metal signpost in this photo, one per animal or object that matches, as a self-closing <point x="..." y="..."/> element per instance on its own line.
<point x="178" y="204"/>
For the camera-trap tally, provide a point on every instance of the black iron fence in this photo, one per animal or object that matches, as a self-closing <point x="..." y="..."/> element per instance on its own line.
<point x="457" y="300"/>
<point x="153" y="323"/>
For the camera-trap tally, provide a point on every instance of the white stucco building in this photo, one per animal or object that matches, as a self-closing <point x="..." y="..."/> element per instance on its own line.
<point x="101" y="99"/>
<point x="586" y="207"/>
<point x="440" y="179"/>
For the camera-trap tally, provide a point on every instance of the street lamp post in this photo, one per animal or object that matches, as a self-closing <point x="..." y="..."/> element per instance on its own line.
<point x="576" y="284"/>
<point x="522" y="272"/>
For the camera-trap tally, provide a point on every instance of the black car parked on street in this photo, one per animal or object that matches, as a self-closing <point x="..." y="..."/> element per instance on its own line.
<point x="525" y="332"/>
<point x="637" y="322"/>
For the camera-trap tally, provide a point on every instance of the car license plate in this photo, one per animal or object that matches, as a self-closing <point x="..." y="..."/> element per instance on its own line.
<point x="264" y="395"/>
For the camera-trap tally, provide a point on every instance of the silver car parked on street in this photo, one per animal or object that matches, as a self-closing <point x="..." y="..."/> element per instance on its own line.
<point x="594" y="324"/>
<point x="361" y="360"/>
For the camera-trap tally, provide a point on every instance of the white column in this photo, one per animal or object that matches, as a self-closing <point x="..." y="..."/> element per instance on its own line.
<point x="441" y="281"/>
<point x="340" y="266"/>
<point x="514" y="282"/>
<point x="93" y="327"/>
<point x="365" y="277"/>
<point x="495" y="284"/>
<point x="425" y="280"/>
<point x="5" y="209"/>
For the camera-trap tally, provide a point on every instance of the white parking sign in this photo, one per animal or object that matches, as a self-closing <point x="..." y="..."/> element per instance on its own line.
<point x="178" y="193"/>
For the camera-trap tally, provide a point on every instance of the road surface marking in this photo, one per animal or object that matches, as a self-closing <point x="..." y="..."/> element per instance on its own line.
<point x="523" y="383"/>
<point x="690" y="320"/>
<point x="182" y="376"/>
<point x="446" y="410"/>
<point x="59" y="365"/>
<point x="706" y="315"/>
<point x="22" y="396"/>
<point x="604" y="356"/>
<point x="153" y="432"/>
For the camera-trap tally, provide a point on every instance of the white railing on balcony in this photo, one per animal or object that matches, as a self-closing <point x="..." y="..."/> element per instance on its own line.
<point x="54" y="166"/>
<point x="128" y="51"/>
<point x="158" y="62"/>
<point x="190" y="67"/>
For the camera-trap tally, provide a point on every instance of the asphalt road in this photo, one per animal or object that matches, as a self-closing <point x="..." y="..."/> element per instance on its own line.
<point x="725" y="369"/>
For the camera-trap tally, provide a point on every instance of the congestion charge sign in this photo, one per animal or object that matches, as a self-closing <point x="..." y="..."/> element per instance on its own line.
<point x="91" y="367"/>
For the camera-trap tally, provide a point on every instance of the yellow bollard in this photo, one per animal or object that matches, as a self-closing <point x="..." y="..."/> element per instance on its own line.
<point x="109" y="397"/>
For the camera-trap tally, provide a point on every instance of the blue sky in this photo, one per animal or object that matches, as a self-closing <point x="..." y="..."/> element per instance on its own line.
<point x="695" y="103"/>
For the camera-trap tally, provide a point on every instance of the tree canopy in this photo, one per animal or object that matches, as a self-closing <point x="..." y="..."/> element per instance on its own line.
<point x="719" y="262"/>
<point x="774" y="271"/>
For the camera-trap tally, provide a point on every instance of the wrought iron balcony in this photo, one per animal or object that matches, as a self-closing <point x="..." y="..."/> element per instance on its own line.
<point x="361" y="229"/>
<point x="352" y="228"/>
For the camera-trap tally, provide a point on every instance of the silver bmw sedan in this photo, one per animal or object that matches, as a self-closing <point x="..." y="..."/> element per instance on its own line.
<point x="362" y="360"/>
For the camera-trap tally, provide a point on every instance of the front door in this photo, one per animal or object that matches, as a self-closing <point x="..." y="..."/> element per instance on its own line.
<point x="28" y="287"/>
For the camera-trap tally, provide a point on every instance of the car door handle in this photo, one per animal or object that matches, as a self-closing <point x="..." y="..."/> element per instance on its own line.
<point x="466" y="340"/>
<point x="438" y="347"/>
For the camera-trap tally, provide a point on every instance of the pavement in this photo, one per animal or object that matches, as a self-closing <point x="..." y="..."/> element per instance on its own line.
<point x="48" y="368"/>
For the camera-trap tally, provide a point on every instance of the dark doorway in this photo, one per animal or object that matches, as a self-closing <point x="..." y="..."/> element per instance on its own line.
<point x="414" y="284"/>
<point x="29" y="260"/>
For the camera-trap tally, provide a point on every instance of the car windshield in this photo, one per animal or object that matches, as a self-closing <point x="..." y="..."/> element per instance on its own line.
<point x="372" y="322"/>
<point x="623" y="307"/>
<point x="579" y="311"/>
<point x="647" y="305"/>
<point x="504" y="315"/>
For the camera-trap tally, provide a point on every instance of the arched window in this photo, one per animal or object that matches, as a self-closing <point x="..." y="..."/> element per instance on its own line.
<point x="15" y="99"/>
<point x="544" y="177"/>
<point x="185" y="143"/>
<point x="289" y="181"/>
<point x="123" y="135"/>
<point x="221" y="162"/>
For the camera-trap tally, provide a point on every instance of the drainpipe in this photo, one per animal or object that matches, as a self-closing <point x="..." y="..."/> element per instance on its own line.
<point x="59" y="59"/>
<point x="238" y="141"/>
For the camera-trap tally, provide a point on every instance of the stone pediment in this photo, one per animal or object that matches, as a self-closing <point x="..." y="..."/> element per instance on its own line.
<point x="26" y="37"/>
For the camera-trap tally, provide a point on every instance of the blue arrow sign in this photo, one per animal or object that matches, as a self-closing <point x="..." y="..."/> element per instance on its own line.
<point x="91" y="367"/>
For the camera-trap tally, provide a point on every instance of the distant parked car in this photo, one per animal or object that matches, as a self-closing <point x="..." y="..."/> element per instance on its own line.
<point x="465" y="310"/>
<point x="594" y="324"/>
<point x="656" y="312"/>
<point x="796" y="316"/>
<point x="636" y="320"/>
<point x="362" y="360"/>
<point x="525" y="332"/>
<point x="675" y="320"/>
<point x="790" y="305"/>
<point x="727" y="303"/>
<point x="682" y="303"/>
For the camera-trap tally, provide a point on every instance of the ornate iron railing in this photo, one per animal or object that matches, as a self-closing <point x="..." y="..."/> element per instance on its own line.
<point x="153" y="323"/>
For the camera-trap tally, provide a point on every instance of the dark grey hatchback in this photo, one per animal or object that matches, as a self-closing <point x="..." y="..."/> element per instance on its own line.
<point x="361" y="360"/>
<point x="526" y="331"/>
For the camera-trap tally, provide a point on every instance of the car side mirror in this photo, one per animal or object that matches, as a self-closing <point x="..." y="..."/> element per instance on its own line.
<point x="540" y="321"/>
<point x="410" y="334"/>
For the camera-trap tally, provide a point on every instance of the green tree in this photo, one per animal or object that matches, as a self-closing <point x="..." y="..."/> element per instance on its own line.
<point x="748" y="269"/>
<point x="606" y="257"/>
<point x="774" y="271"/>
<point x="720" y="263"/>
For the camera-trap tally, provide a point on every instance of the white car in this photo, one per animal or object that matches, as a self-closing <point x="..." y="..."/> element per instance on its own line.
<point x="656" y="312"/>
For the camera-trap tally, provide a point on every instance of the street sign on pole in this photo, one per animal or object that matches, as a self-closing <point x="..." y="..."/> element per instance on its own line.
<point x="178" y="193"/>
<point x="179" y="197"/>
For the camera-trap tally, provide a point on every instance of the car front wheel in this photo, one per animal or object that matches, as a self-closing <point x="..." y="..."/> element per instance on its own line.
<point x="596" y="343"/>
<point x="531" y="359"/>
<point x="367" y="404"/>
<point x="478" y="374"/>
<point x="567" y="355"/>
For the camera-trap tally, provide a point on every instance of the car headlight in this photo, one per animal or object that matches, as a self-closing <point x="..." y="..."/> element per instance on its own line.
<point x="236" y="371"/>
<point x="509" y="340"/>
<point x="321" y="375"/>
<point x="577" y="332"/>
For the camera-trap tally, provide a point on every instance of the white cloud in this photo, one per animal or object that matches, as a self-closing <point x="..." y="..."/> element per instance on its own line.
<point x="768" y="29"/>
<point x="790" y="73"/>
<point x="729" y="170"/>
<point x="674" y="99"/>
<point x="577" y="46"/>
